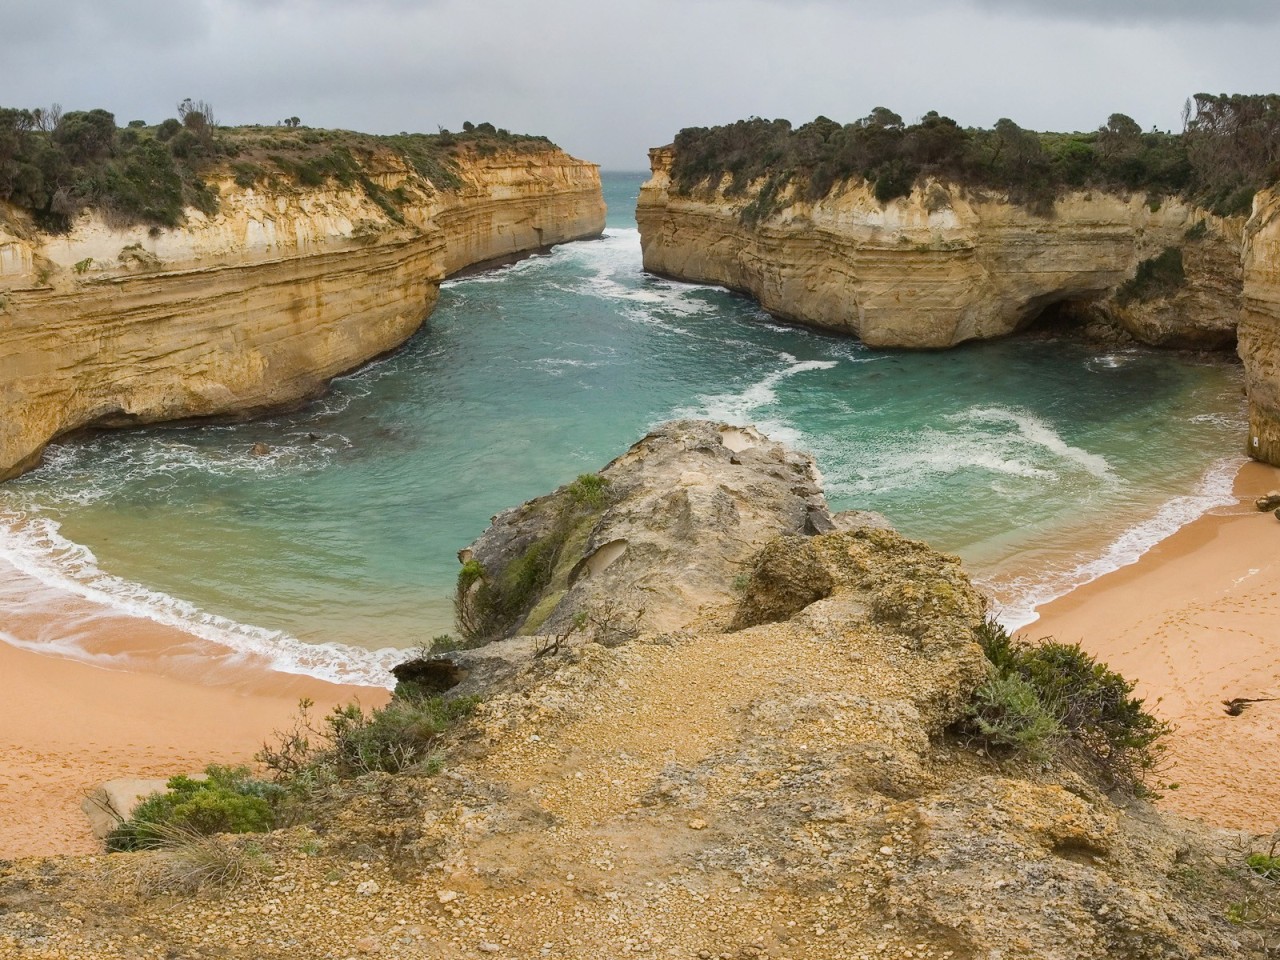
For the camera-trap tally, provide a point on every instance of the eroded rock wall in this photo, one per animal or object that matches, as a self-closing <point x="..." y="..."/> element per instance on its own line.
<point x="1260" y="327"/>
<point x="259" y="306"/>
<point x="941" y="266"/>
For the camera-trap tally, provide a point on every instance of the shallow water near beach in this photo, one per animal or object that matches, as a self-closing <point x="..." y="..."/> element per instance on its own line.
<point x="1040" y="462"/>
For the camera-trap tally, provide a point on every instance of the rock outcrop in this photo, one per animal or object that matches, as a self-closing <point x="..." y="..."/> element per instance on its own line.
<point x="113" y="802"/>
<point x="673" y="522"/>
<point x="763" y="770"/>
<point x="1260" y="327"/>
<point x="261" y="305"/>
<point x="945" y="264"/>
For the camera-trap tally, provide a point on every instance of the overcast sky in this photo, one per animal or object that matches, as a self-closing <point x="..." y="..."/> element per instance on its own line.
<point x="606" y="80"/>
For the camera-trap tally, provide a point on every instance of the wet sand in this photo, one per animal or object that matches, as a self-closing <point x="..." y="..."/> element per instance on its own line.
<point x="67" y="725"/>
<point x="1194" y="622"/>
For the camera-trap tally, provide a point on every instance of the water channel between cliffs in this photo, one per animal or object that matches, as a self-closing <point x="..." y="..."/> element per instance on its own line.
<point x="1040" y="462"/>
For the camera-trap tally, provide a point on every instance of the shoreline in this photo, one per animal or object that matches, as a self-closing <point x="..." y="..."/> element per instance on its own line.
<point x="67" y="725"/>
<point x="1196" y="621"/>
<point x="160" y="701"/>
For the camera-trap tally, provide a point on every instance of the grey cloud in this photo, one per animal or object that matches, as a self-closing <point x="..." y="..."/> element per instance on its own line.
<point x="65" y="24"/>
<point x="609" y="80"/>
<point x="1143" y="11"/>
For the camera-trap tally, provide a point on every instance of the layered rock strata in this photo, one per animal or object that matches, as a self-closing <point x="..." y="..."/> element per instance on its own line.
<point x="1260" y="327"/>
<point x="945" y="264"/>
<point x="261" y="305"/>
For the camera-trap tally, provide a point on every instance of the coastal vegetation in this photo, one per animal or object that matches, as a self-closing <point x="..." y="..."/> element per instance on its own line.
<point x="306" y="764"/>
<point x="490" y="603"/>
<point x="55" y="164"/>
<point x="1159" y="276"/>
<point x="402" y="737"/>
<point x="1051" y="699"/>
<point x="1229" y="149"/>
<point x="225" y="800"/>
<point x="812" y="748"/>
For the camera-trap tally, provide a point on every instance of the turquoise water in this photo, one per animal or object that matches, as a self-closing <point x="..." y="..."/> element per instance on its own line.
<point x="1040" y="462"/>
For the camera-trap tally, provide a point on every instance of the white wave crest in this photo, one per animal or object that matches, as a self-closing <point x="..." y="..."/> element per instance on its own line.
<point x="973" y="440"/>
<point x="34" y="546"/>
<point x="743" y="408"/>
<point x="1038" y="433"/>
<point x="1107" y="361"/>
<point x="1021" y="597"/>
<point x="89" y="472"/>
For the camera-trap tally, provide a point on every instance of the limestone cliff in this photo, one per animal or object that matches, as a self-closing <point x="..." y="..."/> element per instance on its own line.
<point x="1260" y="327"/>
<point x="260" y="305"/>
<point x="945" y="264"/>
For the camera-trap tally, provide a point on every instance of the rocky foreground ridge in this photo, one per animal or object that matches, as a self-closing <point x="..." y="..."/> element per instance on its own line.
<point x="260" y="304"/>
<point x="739" y="749"/>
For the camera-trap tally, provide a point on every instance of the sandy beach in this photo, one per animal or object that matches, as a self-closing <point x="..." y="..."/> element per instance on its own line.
<point x="1196" y="621"/>
<point x="67" y="725"/>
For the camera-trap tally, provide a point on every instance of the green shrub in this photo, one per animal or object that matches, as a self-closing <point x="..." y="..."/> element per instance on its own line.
<point x="1227" y="152"/>
<point x="149" y="175"/>
<point x="442" y="643"/>
<point x="488" y="603"/>
<point x="1008" y="715"/>
<point x="1264" y="865"/>
<point x="1160" y="276"/>
<point x="1098" y="720"/>
<point x="230" y="800"/>
<point x="247" y="174"/>
<point x="403" y="735"/>
<point x="590" y="490"/>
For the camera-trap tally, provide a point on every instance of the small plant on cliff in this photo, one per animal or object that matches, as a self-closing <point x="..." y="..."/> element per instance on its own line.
<point x="1256" y="906"/>
<point x="402" y="735"/>
<point x="590" y="489"/>
<point x="488" y="603"/>
<point x="1007" y="716"/>
<point x="1098" y="721"/>
<point x="229" y="800"/>
<point x="186" y="861"/>
<point x="473" y="607"/>
<point x="1157" y="277"/>
<point x="1265" y="865"/>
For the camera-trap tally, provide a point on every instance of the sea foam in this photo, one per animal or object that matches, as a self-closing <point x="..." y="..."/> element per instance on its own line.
<point x="35" y="547"/>
<point x="744" y="407"/>
<point x="1021" y="597"/>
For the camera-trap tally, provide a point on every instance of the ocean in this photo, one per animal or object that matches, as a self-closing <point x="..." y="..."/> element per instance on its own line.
<point x="1041" y="462"/>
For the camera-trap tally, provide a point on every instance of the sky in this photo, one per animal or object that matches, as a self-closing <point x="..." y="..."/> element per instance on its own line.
<point x="607" y="80"/>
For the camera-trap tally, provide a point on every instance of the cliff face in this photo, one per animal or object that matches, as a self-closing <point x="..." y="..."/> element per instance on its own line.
<point x="1260" y="327"/>
<point x="260" y="305"/>
<point x="944" y="265"/>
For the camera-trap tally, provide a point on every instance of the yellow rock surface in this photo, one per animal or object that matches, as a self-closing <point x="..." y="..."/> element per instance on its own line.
<point x="259" y="306"/>
<point x="931" y="270"/>
<point x="1260" y="327"/>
